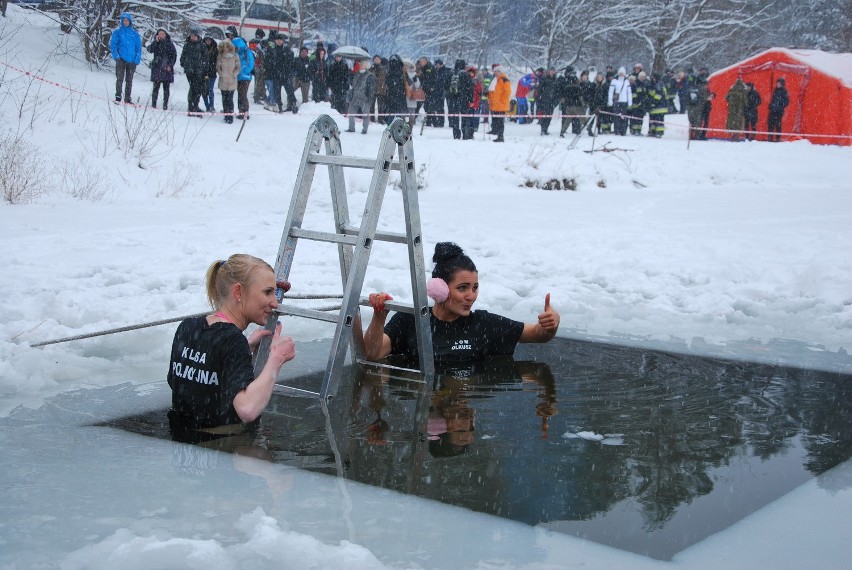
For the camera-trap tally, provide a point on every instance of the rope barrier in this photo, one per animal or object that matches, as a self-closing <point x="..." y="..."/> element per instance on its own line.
<point x="411" y="112"/>
<point x="175" y="320"/>
<point x="118" y="330"/>
<point x="717" y="130"/>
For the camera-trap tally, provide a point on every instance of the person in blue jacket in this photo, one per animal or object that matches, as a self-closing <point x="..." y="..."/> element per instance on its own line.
<point x="125" y="44"/>
<point x="246" y="70"/>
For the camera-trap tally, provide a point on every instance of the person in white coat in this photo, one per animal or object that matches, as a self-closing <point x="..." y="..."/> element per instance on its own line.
<point x="620" y="97"/>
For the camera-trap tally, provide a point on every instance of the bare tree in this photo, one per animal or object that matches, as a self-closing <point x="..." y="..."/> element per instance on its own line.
<point x="562" y="29"/>
<point x="94" y="20"/>
<point x="677" y="31"/>
<point x="373" y="24"/>
<point x="813" y="24"/>
<point x="467" y="29"/>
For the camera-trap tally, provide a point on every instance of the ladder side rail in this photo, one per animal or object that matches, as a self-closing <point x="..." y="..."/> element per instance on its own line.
<point x="422" y="312"/>
<point x="295" y="216"/>
<point x="420" y="441"/>
<point x="352" y="292"/>
<point x="340" y="206"/>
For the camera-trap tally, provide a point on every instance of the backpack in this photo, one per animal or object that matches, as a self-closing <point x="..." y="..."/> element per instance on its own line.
<point x="454" y="84"/>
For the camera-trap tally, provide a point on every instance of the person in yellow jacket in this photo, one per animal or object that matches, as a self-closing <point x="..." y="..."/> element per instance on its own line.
<point x="499" y="95"/>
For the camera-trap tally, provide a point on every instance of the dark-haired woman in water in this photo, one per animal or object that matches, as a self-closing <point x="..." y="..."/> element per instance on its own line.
<point x="458" y="332"/>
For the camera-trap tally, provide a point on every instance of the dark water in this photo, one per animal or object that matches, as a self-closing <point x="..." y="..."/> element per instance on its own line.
<point x="645" y="451"/>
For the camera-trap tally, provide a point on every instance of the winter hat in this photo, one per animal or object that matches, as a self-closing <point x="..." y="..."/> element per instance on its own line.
<point x="622" y="71"/>
<point x="439" y="61"/>
<point x="195" y="31"/>
<point x="231" y="30"/>
<point x="260" y="34"/>
<point x="460" y="64"/>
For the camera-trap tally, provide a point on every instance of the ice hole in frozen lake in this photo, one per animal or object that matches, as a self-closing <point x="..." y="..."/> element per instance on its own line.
<point x="642" y="450"/>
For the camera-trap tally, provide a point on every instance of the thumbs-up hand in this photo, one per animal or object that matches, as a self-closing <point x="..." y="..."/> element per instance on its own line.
<point x="282" y="348"/>
<point x="549" y="319"/>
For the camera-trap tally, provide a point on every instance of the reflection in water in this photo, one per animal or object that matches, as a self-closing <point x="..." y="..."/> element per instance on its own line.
<point x="646" y="451"/>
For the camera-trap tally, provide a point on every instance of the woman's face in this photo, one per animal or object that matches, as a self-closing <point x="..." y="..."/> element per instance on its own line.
<point x="257" y="300"/>
<point x="464" y="289"/>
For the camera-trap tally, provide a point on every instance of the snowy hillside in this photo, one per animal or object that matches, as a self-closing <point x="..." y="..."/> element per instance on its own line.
<point x="714" y="247"/>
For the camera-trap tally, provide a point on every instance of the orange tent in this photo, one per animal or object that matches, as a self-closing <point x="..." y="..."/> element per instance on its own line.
<point x="819" y="85"/>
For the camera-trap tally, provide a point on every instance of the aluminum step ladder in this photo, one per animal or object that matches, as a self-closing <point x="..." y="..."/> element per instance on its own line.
<point x="355" y="243"/>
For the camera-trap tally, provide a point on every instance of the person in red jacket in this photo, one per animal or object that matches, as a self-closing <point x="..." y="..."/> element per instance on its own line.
<point x="472" y="124"/>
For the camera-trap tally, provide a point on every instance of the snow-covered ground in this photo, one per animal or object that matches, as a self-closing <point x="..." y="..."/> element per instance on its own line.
<point x="736" y="249"/>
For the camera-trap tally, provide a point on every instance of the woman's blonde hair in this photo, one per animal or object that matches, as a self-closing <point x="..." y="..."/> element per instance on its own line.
<point x="222" y="275"/>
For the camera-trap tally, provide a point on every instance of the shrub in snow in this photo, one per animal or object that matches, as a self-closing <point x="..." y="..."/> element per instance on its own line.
<point x="79" y="179"/>
<point x="21" y="176"/>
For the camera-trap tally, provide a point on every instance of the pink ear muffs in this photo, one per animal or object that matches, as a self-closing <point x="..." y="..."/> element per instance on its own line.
<point x="437" y="289"/>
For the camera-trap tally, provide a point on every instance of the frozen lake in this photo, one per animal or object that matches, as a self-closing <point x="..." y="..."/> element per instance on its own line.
<point x="642" y="452"/>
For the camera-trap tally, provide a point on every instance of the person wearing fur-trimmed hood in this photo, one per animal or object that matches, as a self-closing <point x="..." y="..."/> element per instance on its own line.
<point x="162" y="66"/>
<point x="227" y="68"/>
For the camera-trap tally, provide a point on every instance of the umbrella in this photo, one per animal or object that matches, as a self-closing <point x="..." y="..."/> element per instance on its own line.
<point x="351" y="52"/>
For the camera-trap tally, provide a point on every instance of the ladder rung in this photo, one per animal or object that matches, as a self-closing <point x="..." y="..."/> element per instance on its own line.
<point x="323" y="236"/>
<point x="390" y="306"/>
<point x="349" y="161"/>
<point x="307" y="313"/>
<point x="381" y="236"/>
<point x="291" y="390"/>
<point x="392" y="367"/>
